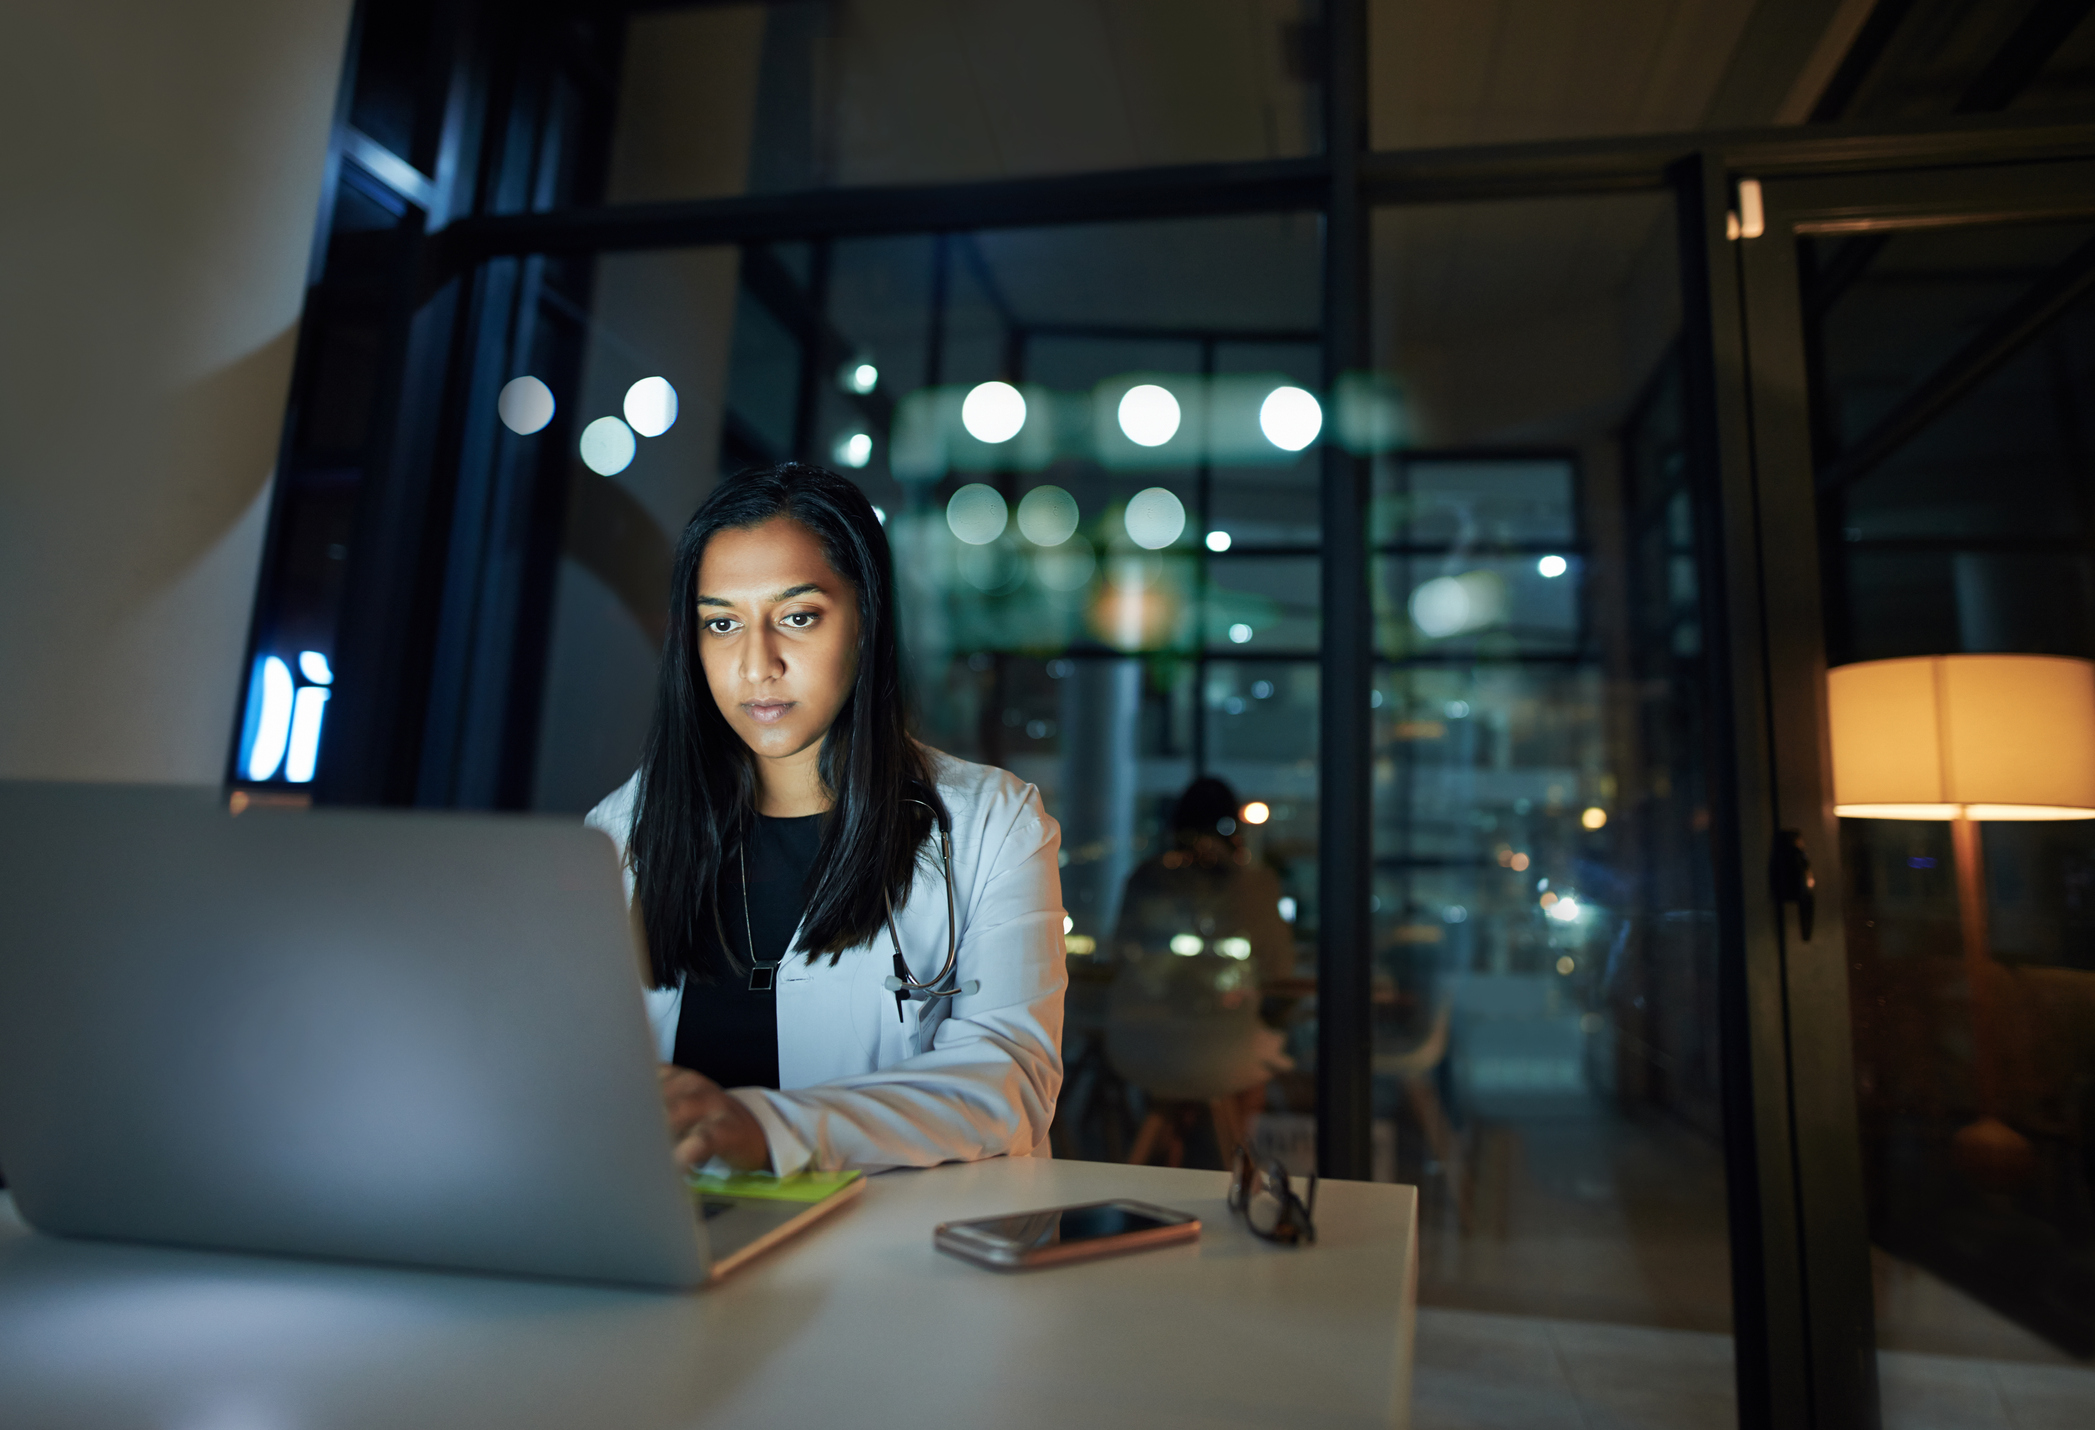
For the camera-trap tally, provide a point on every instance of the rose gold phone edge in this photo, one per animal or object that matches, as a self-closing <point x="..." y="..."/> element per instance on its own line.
<point x="949" y="1237"/>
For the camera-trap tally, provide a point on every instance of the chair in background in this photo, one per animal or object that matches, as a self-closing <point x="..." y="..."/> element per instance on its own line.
<point x="1416" y="1070"/>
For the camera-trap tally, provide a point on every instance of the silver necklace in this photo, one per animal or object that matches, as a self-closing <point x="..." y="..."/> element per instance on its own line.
<point x="763" y="977"/>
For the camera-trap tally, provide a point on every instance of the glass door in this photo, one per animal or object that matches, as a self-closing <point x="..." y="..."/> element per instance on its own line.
<point x="1920" y="367"/>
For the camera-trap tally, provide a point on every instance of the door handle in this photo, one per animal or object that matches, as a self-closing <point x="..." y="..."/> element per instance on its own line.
<point x="1790" y="872"/>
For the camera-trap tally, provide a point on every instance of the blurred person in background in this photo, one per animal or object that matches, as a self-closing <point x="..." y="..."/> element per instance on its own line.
<point x="1199" y="937"/>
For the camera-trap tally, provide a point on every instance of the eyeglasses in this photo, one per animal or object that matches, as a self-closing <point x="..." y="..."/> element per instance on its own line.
<point x="1259" y="1189"/>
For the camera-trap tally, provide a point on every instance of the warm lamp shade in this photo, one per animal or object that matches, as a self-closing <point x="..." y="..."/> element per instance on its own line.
<point x="1995" y="736"/>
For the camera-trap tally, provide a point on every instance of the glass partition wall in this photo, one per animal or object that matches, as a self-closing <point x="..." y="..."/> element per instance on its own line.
<point x="1545" y="942"/>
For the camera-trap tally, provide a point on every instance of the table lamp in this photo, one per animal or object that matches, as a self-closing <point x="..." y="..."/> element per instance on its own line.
<point x="1968" y="738"/>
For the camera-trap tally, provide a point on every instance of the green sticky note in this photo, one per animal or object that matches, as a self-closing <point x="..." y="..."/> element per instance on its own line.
<point x="800" y="1187"/>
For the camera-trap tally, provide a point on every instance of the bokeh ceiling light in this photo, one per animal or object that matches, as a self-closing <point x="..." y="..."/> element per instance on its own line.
<point x="859" y="377"/>
<point x="993" y="412"/>
<point x="1449" y="605"/>
<point x="1155" y="518"/>
<point x="1149" y="415"/>
<point x="977" y="514"/>
<point x="525" y="405"/>
<point x="651" y="406"/>
<point x="607" y="446"/>
<point x="1047" y="516"/>
<point x="854" y="449"/>
<point x="1290" y="418"/>
<point x="1218" y="541"/>
<point x="1551" y="567"/>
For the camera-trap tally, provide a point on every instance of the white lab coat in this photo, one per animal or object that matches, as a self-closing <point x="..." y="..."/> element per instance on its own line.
<point x="951" y="1080"/>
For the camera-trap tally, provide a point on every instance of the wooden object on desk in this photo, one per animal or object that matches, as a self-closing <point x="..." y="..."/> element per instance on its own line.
<point x="860" y="1322"/>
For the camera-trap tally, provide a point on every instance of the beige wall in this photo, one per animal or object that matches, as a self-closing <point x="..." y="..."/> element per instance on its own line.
<point x="157" y="197"/>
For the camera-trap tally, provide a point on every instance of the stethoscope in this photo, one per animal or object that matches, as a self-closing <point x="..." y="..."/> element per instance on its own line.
<point x="899" y="982"/>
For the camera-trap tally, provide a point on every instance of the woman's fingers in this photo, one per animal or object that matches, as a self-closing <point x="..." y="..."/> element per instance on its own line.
<point x="705" y="1122"/>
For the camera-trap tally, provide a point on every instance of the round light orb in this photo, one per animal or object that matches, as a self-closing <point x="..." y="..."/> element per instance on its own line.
<point x="993" y="412"/>
<point x="314" y="667"/>
<point x="1564" y="911"/>
<point x="1551" y="567"/>
<point x="859" y="377"/>
<point x="1290" y="418"/>
<point x="1218" y="541"/>
<point x="607" y="446"/>
<point x="1068" y="567"/>
<point x="1047" y="516"/>
<point x="1186" y="945"/>
<point x="1594" y="818"/>
<point x="854" y="449"/>
<point x="651" y="406"/>
<point x="1239" y="633"/>
<point x="1149" y="415"/>
<point x="1256" y="812"/>
<point x="1441" y="607"/>
<point x="977" y="514"/>
<point x="525" y="405"/>
<point x="1155" y="518"/>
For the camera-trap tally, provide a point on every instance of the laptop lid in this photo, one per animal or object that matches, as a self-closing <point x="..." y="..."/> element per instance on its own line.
<point x="376" y="1035"/>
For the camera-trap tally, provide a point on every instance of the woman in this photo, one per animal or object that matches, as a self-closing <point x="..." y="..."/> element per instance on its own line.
<point x="781" y="811"/>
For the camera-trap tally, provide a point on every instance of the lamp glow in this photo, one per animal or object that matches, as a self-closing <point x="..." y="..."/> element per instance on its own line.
<point x="1551" y="567"/>
<point x="1185" y="945"/>
<point x="1290" y="418"/>
<point x="1218" y="541"/>
<point x="1996" y="737"/>
<point x="314" y="667"/>
<point x="1256" y="812"/>
<point x="993" y="412"/>
<point x="1149" y="415"/>
<point x="1239" y="633"/>
<point x="859" y="377"/>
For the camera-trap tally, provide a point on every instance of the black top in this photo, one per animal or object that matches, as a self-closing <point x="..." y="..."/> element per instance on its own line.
<point x="726" y="1030"/>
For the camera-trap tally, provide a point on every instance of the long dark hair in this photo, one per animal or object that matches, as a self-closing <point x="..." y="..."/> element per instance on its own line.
<point x="697" y="800"/>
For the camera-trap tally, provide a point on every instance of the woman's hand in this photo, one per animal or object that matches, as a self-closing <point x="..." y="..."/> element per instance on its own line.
<point x="706" y="1123"/>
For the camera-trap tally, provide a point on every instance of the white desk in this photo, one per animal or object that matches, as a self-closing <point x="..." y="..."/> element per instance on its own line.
<point x="857" y="1324"/>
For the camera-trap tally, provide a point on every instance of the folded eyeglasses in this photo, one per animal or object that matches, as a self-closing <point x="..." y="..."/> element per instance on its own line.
<point x="1260" y="1192"/>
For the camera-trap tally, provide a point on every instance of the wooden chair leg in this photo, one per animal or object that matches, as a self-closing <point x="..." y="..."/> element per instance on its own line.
<point x="1154" y="1126"/>
<point x="1433" y="1118"/>
<point x="1229" y="1126"/>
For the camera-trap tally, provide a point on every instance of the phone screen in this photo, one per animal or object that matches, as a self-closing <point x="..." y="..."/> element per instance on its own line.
<point x="1067" y="1224"/>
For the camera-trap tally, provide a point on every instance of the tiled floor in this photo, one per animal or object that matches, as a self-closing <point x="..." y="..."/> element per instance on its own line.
<point x="1479" y="1371"/>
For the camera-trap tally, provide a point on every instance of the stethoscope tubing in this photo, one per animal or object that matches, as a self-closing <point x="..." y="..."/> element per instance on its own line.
<point x="900" y="983"/>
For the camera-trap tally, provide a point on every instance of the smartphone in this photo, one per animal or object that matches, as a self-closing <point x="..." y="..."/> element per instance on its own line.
<point x="1024" y="1240"/>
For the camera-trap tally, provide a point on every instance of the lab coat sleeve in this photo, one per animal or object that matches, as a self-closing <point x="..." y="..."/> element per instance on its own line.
<point x="987" y="1085"/>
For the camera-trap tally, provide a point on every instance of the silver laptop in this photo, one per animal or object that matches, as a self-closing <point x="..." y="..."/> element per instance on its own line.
<point x="372" y="1035"/>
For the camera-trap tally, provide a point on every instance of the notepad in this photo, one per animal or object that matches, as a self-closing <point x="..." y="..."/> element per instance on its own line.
<point x="762" y="1186"/>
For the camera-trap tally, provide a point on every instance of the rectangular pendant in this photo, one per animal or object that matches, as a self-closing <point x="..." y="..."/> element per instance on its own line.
<point x="760" y="978"/>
